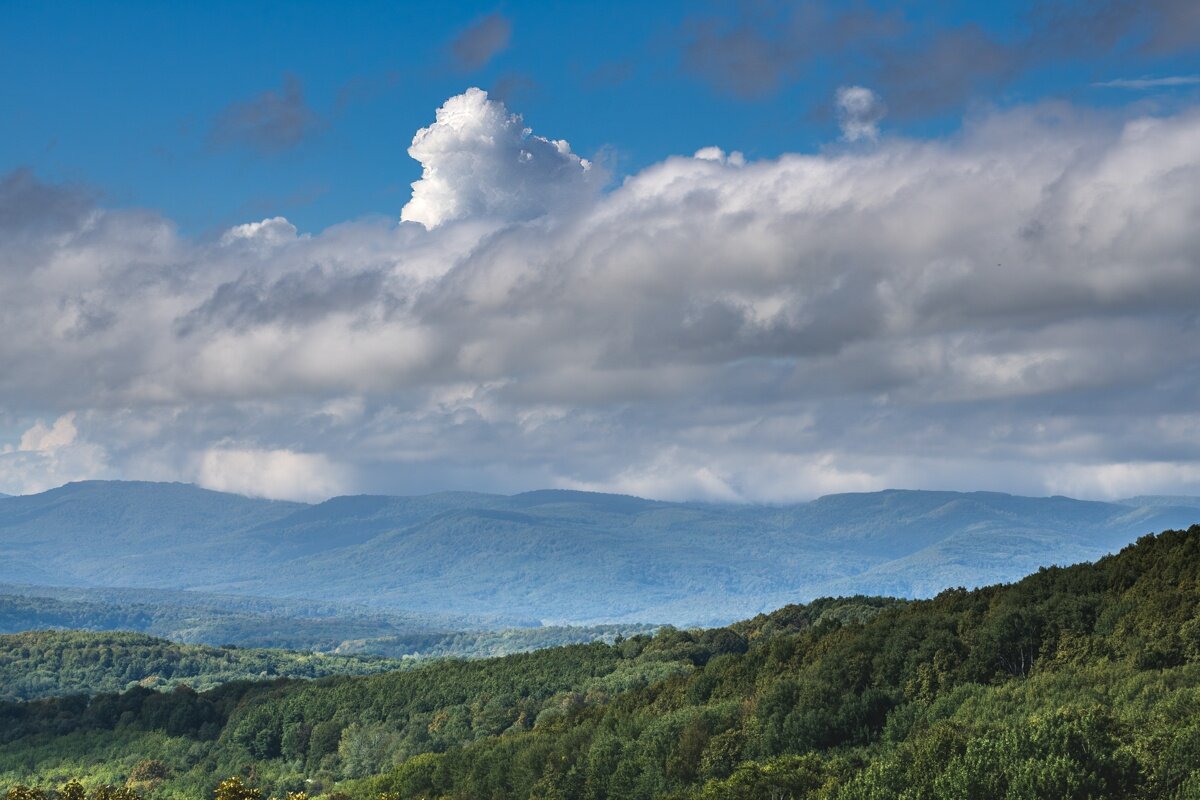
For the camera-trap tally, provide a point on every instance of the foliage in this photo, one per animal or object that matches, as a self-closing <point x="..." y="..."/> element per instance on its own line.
<point x="225" y="621"/>
<point x="47" y="663"/>
<point x="71" y="790"/>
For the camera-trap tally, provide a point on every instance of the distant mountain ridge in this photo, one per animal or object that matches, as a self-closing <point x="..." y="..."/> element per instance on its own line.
<point x="1160" y="500"/>
<point x="556" y="555"/>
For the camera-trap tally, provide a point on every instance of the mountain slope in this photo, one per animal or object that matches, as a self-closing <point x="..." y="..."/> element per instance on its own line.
<point x="101" y="532"/>
<point x="554" y="555"/>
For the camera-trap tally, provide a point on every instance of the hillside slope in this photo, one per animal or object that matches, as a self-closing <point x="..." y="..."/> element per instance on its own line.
<point x="243" y="621"/>
<point x="1074" y="683"/>
<point x="527" y="556"/>
<point x="41" y="664"/>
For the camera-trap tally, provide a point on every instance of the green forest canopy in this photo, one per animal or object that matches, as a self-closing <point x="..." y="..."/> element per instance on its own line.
<point x="47" y="663"/>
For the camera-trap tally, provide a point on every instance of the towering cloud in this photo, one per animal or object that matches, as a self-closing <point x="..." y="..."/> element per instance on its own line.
<point x="479" y="160"/>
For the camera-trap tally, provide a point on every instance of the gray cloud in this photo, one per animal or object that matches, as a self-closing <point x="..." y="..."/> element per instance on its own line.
<point x="295" y="299"/>
<point x="270" y="122"/>
<point x="860" y="111"/>
<point x="512" y="86"/>
<point x="33" y="210"/>
<point x="482" y="41"/>
<point x="1012" y="307"/>
<point x="752" y="49"/>
<point x="1175" y="25"/>
<point x="945" y="69"/>
<point x="739" y="60"/>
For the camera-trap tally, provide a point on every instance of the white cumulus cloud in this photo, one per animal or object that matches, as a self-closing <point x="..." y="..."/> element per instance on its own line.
<point x="479" y="160"/>
<point x="40" y="437"/>
<point x="268" y="232"/>
<point x="735" y="159"/>
<point x="50" y="455"/>
<point x="275" y="474"/>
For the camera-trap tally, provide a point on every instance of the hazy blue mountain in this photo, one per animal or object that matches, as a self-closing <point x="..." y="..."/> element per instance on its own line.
<point x="555" y="555"/>
<point x="100" y="532"/>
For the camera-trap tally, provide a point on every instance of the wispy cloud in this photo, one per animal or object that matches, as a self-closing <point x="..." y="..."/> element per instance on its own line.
<point x="482" y="41"/>
<point x="513" y="86"/>
<point x="759" y="48"/>
<point x="1151" y="83"/>
<point x="859" y="113"/>
<point x="270" y="122"/>
<point x="921" y="64"/>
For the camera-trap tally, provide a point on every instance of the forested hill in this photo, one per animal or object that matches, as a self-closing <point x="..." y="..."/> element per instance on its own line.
<point x="526" y="556"/>
<point x="1079" y="682"/>
<point x="293" y="625"/>
<point x="46" y="663"/>
<point x="246" y="621"/>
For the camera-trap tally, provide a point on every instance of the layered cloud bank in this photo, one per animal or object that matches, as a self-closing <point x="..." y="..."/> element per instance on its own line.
<point x="1013" y="307"/>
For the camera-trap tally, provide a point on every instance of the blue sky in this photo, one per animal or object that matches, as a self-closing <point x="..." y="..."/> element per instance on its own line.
<point x="125" y="97"/>
<point x="754" y="251"/>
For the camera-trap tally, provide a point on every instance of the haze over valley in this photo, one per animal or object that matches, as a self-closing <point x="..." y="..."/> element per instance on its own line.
<point x="554" y="556"/>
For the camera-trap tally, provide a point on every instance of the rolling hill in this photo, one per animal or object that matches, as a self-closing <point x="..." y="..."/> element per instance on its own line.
<point x="41" y="664"/>
<point x="252" y="622"/>
<point x="553" y="555"/>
